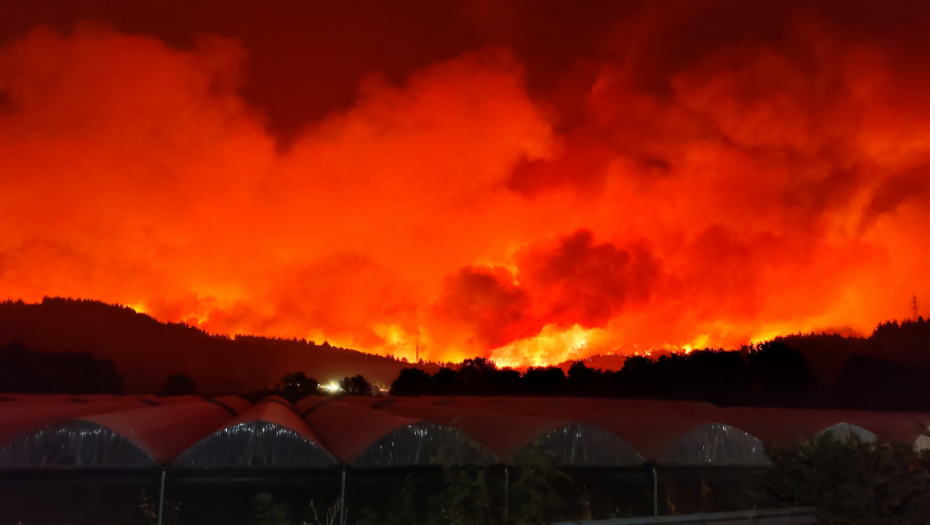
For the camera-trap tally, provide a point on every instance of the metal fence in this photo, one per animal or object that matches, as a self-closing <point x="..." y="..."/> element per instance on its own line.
<point x="789" y="516"/>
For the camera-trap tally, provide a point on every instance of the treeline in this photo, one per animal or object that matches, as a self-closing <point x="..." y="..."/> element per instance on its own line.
<point x="297" y="385"/>
<point x="904" y="343"/>
<point x="769" y="374"/>
<point x="769" y="371"/>
<point x="27" y="371"/>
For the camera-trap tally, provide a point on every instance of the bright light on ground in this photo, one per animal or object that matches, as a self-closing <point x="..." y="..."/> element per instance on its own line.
<point x="332" y="387"/>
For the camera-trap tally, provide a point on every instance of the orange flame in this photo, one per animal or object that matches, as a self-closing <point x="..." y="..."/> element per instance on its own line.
<point x="748" y="191"/>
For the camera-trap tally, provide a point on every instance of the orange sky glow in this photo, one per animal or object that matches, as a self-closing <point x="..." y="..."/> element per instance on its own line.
<point x="761" y="187"/>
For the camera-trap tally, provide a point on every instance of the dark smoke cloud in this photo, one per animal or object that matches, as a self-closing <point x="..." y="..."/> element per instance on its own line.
<point x="587" y="283"/>
<point x="525" y="180"/>
<point x="488" y="300"/>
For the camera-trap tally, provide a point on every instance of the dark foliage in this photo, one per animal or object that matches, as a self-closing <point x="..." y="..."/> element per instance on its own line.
<point x="178" y="385"/>
<point x="710" y="375"/>
<point x="535" y="493"/>
<point x="146" y="351"/>
<point x="909" y="337"/>
<point x="770" y="371"/>
<point x="297" y="386"/>
<point x="293" y="387"/>
<point x="355" y="386"/>
<point x="412" y="382"/>
<point x="875" y="384"/>
<point x="27" y="371"/>
<point x="851" y="482"/>
<point x="540" y="380"/>
<point x="904" y="343"/>
<point x="774" y="373"/>
<point x="266" y="511"/>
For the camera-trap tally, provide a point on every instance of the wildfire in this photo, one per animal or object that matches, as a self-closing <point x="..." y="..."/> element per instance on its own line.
<point x="645" y="198"/>
<point x="551" y="346"/>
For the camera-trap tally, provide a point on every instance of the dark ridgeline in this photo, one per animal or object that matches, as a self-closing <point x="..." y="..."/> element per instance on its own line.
<point x="775" y="373"/>
<point x="27" y="371"/>
<point x="906" y="343"/>
<point x="145" y="351"/>
<point x="889" y="370"/>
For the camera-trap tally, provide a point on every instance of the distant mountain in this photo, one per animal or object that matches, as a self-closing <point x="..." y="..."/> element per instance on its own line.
<point x="146" y="351"/>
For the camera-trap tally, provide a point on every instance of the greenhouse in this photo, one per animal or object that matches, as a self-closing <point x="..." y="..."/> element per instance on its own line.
<point x="363" y="437"/>
<point x="267" y="435"/>
<point x="136" y="438"/>
<point x="510" y="437"/>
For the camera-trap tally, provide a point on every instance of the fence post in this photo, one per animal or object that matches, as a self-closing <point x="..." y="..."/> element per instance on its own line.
<point x="161" y="497"/>
<point x="506" y="491"/>
<point x="342" y="500"/>
<point x="655" y="492"/>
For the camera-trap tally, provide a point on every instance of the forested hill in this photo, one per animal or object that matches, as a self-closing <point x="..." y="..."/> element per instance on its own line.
<point x="905" y="344"/>
<point x="886" y="371"/>
<point x="146" y="351"/>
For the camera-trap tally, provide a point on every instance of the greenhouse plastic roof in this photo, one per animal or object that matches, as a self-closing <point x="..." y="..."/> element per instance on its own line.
<point x="627" y="422"/>
<point x="23" y="419"/>
<point x="136" y="438"/>
<point x="235" y="404"/>
<point x="305" y="405"/>
<point x="277" y="399"/>
<point x="268" y="435"/>
<point x="61" y="431"/>
<point x="548" y="406"/>
<point x="783" y="426"/>
<point x="508" y="435"/>
<point x="363" y="437"/>
<point x="715" y="444"/>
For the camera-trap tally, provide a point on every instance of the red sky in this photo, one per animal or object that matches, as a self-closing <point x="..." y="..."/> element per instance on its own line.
<point x="527" y="181"/>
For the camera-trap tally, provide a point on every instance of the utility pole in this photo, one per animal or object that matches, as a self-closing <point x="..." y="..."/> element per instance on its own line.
<point x="418" y="352"/>
<point x="915" y="307"/>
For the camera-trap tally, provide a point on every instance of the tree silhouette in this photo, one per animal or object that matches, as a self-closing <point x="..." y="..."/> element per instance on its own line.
<point x="296" y="386"/>
<point x="780" y="370"/>
<point x="356" y="386"/>
<point x="410" y="382"/>
<point x="178" y="385"/>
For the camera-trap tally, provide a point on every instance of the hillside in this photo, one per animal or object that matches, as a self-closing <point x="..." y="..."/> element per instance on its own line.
<point x="905" y="344"/>
<point x="146" y="351"/>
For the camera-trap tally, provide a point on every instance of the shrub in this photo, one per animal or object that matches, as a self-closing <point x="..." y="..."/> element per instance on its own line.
<point x="851" y="481"/>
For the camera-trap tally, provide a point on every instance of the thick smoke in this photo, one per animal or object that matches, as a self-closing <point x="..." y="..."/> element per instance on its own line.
<point x="489" y="304"/>
<point x="705" y="173"/>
